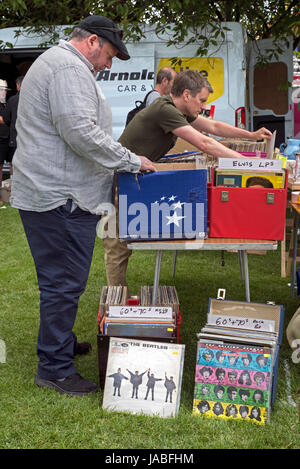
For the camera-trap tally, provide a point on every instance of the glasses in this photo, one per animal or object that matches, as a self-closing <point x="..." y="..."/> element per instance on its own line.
<point x="114" y="30"/>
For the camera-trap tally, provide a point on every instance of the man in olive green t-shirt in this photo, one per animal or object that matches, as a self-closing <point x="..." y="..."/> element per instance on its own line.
<point x="154" y="131"/>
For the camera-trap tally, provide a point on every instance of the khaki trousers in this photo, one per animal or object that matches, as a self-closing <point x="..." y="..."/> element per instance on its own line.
<point x="116" y="254"/>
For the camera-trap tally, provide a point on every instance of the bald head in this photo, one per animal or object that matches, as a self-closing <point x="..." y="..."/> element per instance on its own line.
<point x="164" y="80"/>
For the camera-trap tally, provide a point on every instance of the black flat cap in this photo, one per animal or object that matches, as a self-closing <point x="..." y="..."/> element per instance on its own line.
<point x="107" y="29"/>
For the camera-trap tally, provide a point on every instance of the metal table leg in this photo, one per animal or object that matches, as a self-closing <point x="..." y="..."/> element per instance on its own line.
<point x="246" y="273"/>
<point x="156" y="276"/>
<point x="295" y="238"/>
<point x="241" y="265"/>
<point x="174" y="262"/>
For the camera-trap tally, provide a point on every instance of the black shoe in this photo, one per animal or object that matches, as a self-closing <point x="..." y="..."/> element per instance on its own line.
<point x="82" y="348"/>
<point x="74" y="385"/>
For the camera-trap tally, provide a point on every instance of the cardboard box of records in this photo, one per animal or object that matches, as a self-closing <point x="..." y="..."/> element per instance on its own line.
<point x="237" y="360"/>
<point x="120" y="316"/>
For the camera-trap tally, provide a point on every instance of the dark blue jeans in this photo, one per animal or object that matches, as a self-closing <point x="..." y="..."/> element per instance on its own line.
<point x="62" y="243"/>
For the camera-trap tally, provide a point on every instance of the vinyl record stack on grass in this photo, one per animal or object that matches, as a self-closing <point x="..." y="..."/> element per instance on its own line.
<point x="237" y="361"/>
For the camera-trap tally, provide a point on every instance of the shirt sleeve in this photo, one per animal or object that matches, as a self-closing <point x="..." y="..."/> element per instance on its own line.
<point x="78" y="119"/>
<point x="152" y="97"/>
<point x="171" y="118"/>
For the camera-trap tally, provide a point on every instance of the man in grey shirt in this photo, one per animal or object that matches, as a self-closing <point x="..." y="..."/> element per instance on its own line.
<point x="62" y="183"/>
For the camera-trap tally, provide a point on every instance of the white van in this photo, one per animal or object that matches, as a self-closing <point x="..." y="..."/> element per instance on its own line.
<point x="224" y="67"/>
<point x="240" y="88"/>
<point x="270" y="89"/>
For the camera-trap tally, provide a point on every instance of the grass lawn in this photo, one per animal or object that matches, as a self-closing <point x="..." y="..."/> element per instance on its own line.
<point x="35" y="418"/>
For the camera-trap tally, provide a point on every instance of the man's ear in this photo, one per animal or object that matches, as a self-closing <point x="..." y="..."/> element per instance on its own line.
<point x="92" y="40"/>
<point x="186" y="95"/>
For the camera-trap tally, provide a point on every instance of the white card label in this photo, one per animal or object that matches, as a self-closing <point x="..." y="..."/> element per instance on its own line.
<point x="241" y="323"/>
<point x="162" y="312"/>
<point x="257" y="164"/>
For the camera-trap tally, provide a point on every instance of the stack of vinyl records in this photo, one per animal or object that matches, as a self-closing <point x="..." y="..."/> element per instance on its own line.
<point x="110" y="295"/>
<point x="242" y="145"/>
<point x="119" y="318"/>
<point x="166" y="295"/>
<point x="113" y="295"/>
<point x="181" y="157"/>
<point x="236" y="363"/>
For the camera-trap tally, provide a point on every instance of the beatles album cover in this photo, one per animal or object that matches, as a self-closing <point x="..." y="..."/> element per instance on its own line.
<point x="233" y="381"/>
<point x="143" y="377"/>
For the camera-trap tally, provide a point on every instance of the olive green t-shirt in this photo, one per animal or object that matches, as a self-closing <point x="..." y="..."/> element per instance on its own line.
<point x="149" y="133"/>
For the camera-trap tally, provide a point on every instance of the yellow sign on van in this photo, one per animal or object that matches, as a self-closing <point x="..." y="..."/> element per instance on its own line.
<point x="212" y="69"/>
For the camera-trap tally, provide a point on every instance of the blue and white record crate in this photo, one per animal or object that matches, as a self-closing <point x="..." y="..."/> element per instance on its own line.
<point x="163" y="205"/>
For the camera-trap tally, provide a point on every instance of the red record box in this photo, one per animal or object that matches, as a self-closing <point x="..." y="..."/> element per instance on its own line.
<point x="246" y="212"/>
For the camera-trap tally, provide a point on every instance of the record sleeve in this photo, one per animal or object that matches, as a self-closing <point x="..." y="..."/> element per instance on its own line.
<point x="143" y="377"/>
<point x="233" y="381"/>
<point x="139" y="329"/>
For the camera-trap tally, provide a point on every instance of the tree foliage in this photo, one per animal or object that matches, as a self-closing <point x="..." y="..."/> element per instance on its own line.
<point x="261" y="19"/>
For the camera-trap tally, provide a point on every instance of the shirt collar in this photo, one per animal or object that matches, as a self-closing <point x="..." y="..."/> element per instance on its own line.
<point x="67" y="45"/>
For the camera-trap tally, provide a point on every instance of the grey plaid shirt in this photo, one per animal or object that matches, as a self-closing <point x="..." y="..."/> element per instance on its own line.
<point x="64" y="144"/>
